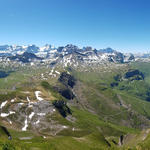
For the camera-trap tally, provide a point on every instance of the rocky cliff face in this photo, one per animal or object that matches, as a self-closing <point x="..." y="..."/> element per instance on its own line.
<point x="134" y="75"/>
<point x="67" y="79"/>
<point x="25" y="57"/>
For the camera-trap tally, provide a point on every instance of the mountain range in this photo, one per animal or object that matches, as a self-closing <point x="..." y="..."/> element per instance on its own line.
<point x="66" y="54"/>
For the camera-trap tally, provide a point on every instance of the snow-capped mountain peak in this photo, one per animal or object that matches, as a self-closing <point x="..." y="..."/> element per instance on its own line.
<point x="68" y="55"/>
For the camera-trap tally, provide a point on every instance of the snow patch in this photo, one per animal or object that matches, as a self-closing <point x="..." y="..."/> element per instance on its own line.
<point x="32" y="63"/>
<point x="65" y="127"/>
<point x="37" y="95"/>
<point x="57" y="72"/>
<point x="31" y="115"/>
<point x="20" y="103"/>
<point x="4" y="115"/>
<point x="41" y="114"/>
<point x="3" y="104"/>
<point x="12" y="112"/>
<point x="7" y="114"/>
<point x="37" y="122"/>
<point x="26" y="125"/>
<point x="12" y="100"/>
<point x="28" y="99"/>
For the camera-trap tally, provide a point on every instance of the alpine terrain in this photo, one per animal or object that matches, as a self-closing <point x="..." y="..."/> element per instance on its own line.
<point x="73" y="98"/>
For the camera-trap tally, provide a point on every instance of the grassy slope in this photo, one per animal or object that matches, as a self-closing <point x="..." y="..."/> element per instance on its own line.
<point x="105" y="101"/>
<point x="144" y="67"/>
<point x="94" y="128"/>
<point x="90" y="136"/>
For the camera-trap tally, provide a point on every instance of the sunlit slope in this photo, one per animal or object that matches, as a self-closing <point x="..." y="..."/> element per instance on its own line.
<point x="100" y="113"/>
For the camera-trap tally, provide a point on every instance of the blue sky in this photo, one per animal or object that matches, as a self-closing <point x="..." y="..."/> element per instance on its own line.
<point x="121" y="24"/>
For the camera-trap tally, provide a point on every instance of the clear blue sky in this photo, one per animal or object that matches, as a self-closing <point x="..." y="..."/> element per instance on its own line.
<point x="120" y="24"/>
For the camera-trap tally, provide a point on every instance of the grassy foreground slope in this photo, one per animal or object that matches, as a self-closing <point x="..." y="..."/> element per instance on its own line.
<point x="102" y="113"/>
<point x="93" y="134"/>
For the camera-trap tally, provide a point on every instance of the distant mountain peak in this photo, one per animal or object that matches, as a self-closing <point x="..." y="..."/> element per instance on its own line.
<point x="68" y="54"/>
<point x="107" y="50"/>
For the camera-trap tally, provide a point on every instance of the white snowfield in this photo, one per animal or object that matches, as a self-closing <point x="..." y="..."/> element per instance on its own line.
<point x="4" y="115"/>
<point x="3" y="104"/>
<point x="7" y="114"/>
<point x="26" y="125"/>
<point x="31" y="115"/>
<point x="37" y="95"/>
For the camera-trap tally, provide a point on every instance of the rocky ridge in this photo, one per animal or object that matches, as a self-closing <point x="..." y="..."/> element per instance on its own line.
<point x="66" y="55"/>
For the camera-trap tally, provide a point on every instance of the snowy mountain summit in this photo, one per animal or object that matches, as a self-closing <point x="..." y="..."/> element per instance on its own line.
<point x="66" y="55"/>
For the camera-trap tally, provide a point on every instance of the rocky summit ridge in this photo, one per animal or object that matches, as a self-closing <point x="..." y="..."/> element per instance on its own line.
<point x="66" y="55"/>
